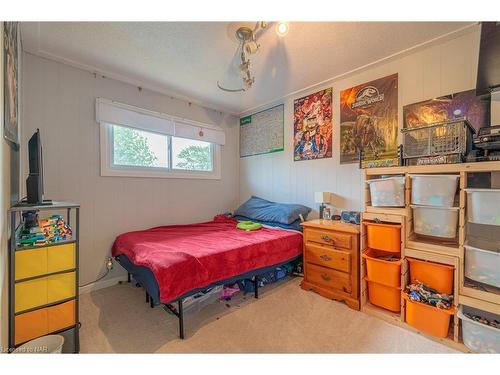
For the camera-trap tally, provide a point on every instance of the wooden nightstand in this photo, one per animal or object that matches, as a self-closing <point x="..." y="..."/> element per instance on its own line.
<point x="331" y="259"/>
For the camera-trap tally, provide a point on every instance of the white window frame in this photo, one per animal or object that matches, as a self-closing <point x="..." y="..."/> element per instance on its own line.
<point x="108" y="168"/>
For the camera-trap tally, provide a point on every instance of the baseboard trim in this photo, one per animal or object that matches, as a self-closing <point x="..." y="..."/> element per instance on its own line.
<point x="106" y="283"/>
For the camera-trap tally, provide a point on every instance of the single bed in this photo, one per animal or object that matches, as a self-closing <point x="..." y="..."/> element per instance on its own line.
<point x="173" y="262"/>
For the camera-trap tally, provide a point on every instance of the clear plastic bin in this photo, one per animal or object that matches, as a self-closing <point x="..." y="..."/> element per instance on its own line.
<point x="483" y="206"/>
<point x="482" y="261"/>
<point x="435" y="221"/>
<point x="195" y="303"/>
<point x="479" y="337"/>
<point x="433" y="190"/>
<point x="387" y="192"/>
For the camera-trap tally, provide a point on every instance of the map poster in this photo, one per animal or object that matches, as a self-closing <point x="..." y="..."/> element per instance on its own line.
<point x="462" y="104"/>
<point x="369" y="122"/>
<point x="312" y="124"/>
<point x="262" y="132"/>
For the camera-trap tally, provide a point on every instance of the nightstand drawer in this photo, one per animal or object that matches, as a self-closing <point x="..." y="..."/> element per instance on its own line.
<point x="328" y="278"/>
<point x="336" y="239"/>
<point x="328" y="257"/>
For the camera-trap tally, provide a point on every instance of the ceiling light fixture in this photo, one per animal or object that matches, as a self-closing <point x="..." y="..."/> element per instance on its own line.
<point x="282" y="28"/>
<point x="249" y="46"/>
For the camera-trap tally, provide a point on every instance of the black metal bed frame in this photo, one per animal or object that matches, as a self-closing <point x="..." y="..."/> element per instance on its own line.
<point x="179" y="313"/>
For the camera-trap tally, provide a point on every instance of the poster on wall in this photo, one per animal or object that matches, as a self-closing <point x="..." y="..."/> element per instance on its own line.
<point x="262" y="132"/>
<point x="462" y="104"/>
<point x="369" y="122"/>
<point x="312" y="124"/>
<point x="11" y="79"/>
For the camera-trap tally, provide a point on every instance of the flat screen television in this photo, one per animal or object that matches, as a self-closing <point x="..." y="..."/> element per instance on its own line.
<point x="34" y="182"/>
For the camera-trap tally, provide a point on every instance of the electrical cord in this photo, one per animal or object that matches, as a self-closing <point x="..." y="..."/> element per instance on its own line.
<point x="96" y="280"/>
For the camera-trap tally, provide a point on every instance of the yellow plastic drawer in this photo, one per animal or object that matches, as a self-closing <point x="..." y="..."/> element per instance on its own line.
<point x="61" y="257"/>
<point x="30" y="263"/>
<point x="44" y="290"/>
<point x="30" y="294"/>
<point x="42" y="260"/>
<point x="60" y="287"/>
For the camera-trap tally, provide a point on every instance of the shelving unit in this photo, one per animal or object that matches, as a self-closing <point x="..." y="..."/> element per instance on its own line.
<point x="43" y="282"/>
<point x="450" y="252"/>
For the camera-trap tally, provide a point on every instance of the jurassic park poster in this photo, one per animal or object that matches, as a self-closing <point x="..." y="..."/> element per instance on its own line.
<point x="369" y="123"/>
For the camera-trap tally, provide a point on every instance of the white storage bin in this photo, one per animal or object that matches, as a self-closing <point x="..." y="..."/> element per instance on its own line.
<point x="195" y="303"/>
<point x="433" y="190"/>
<point x="435" y="221"/>
<point x="387" y="192"/>
<point x="482" y="262"/>
<point x="483" y="206"/>
<point x="479" y="337"/>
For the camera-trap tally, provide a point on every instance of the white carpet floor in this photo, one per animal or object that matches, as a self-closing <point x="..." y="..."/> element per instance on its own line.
<point x="285" y="319"/>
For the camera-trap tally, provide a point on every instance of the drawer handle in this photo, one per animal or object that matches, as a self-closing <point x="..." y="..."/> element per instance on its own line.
<point x="325" y="277"/>
<point x="325" y="257"/>
<point x="327" y="238"/>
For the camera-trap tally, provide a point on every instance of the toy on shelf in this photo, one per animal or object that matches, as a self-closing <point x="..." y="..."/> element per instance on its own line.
<point x="40" y="232"/>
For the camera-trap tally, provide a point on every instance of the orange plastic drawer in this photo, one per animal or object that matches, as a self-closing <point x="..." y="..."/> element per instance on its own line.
<point x="31" y="325"/>
<point x="61" y="316"/>
<point x="41" y="322"/>
<point x="428" y="319"/>
<point x="384" y="296"/>
<point x="435" y="275"/>
<point x="385" y="237"/>
<point x="382" y="271"/>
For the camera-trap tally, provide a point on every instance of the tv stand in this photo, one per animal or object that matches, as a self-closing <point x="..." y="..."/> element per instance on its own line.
<point x="23" y="203"/>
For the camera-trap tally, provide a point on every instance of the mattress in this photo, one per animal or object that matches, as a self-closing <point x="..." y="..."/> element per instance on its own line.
<point x="183" y="258"/>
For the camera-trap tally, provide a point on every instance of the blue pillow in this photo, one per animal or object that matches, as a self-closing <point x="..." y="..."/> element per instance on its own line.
<point x="295" y="225"/>
<point x="260" y="209"/>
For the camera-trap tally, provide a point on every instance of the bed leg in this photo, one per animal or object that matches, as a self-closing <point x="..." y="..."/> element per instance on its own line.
<point x="147" y="297"/>
<point x="181" y="319"/>
<point x="129" y="279"/>
<point x="256" y="286"/>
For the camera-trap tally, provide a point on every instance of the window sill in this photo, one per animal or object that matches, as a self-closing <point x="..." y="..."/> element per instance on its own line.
<point x="145" y="173"/>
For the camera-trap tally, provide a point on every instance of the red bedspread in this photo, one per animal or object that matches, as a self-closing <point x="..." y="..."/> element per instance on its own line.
<point x="187" y="257"/>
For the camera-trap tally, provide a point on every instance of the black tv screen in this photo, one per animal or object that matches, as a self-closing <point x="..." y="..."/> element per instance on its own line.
<point x="34" y="182"/>
<point x="488" y="72"/>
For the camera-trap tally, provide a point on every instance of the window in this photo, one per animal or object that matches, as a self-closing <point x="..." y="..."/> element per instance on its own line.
<point x="191" y="155"/>
<point x="139" y="153"/>
<point x="138" y="148"/>
<point x="136" y="142"/>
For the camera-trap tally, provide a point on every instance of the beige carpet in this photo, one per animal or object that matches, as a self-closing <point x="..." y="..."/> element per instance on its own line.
<point x="284" y="319"/>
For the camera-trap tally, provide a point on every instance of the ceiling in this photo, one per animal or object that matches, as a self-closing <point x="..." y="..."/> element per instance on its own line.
<point x="186" y="59"/>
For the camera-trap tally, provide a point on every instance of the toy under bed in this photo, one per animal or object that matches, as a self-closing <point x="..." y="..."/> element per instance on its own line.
<point x="172" y="262"/>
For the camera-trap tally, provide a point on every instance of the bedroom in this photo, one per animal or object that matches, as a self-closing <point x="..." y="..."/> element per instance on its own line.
<point x="189" y="163"/>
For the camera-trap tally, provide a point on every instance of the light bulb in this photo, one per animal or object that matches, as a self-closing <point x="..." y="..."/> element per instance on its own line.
<point x="282" y="28"/>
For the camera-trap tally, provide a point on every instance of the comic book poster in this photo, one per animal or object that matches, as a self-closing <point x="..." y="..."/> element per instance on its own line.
<point x="369" y="122"/>
<point x="462" y="104"/>
<point x="312" y="124"/>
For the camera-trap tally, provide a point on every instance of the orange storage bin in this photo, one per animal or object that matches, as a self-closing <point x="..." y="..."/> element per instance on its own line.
<point x="435" y="275"/>
<point x="382" y="271"/>
<point x="428" y="319"/>
<point x="43" y="321"/>
<point x="385" y="237"/>
<point x="384" y="296"/>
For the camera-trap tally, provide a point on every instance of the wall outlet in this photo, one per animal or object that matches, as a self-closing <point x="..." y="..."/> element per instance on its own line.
<point x="109" y="263"/>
